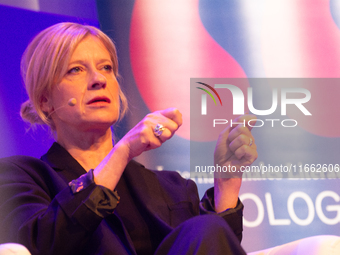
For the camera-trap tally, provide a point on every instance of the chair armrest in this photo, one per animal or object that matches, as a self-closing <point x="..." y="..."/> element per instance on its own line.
<point x="13" y="249"/>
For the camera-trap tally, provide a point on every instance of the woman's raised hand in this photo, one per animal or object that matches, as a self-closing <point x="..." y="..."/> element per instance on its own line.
<point x="139" y="139"/>
<point x="143" y="137"/>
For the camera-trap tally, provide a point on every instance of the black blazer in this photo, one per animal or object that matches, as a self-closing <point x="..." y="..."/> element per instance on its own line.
<point x="39" y="210"/>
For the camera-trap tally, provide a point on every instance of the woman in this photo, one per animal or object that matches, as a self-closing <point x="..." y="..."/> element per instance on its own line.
<point x="86" y="196"/>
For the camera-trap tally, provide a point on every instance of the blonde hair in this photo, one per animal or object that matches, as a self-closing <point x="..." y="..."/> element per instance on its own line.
<point x="44" y="63"/>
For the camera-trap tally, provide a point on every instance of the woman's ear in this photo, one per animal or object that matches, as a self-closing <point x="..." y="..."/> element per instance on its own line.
<point x="46" y="105"/>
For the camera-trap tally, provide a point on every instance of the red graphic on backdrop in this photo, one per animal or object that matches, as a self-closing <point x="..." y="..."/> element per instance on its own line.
<point x="168" y="46"/>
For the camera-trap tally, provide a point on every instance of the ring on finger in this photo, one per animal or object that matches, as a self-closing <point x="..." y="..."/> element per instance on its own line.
<point x="158" y="130"/>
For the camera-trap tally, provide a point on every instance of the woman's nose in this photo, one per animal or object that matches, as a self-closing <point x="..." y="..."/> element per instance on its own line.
<point x="97" y="80"/>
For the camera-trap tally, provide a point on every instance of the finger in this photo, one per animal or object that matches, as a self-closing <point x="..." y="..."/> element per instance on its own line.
<point x="173" y="114"/>
<point x="240" y="141"/>
<point x="151" y="140"/>
<point x="249" y="154"/>
<point x="171" y="125"/>
<point x="239" y="122"/>
<point x="244" y="121"/>
<point x="239" y="130"/>
<point x="158" y="118"/>
<point x="166" y="130"/>
<point x="170" y="119"/>
<point x="250" y="118"/>
<point x="166" y="135"/>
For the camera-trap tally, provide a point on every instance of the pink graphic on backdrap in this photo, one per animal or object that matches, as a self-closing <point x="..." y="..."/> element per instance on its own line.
<point x="323" y="106"/>
<point x="168" y="46"/>
<point x="301" y="40"/>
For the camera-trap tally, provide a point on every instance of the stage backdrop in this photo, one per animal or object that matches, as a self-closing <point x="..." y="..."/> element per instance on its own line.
<point x="163" y="44"/>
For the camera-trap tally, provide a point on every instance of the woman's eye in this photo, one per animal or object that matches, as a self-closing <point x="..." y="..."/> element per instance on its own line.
<point x="108" y="68"/>
<point x="74" y="70"/>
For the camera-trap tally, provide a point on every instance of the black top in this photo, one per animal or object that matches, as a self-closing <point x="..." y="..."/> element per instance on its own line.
<point x="39" y="209"/>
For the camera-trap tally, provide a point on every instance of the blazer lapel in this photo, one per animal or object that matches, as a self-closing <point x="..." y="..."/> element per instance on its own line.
<point x="63" y="163"/>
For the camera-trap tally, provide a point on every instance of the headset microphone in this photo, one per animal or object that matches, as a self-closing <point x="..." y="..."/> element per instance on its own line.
<point x="72" y="102"/>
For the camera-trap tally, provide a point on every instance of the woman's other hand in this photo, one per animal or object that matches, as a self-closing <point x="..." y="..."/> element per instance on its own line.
<point x="234" y="150"/>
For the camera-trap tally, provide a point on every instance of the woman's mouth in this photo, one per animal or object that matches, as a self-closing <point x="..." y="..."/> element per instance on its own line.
<point x="99" y="100"/>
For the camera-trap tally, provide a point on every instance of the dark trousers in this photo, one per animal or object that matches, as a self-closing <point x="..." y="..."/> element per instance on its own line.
<point x="201" y="235"/>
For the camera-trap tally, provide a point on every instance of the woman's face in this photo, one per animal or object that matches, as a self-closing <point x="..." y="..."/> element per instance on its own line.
<point x="91" y="82"/>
